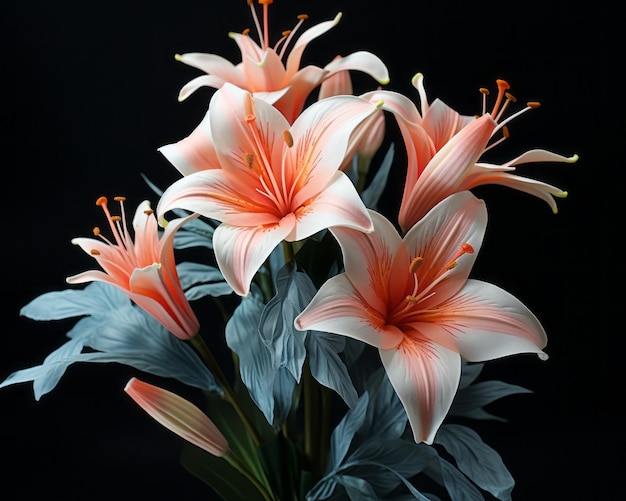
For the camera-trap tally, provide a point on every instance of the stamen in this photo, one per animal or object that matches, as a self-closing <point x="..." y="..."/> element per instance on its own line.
<point x="148" y="212"/>
<point x="485" y="92"/>
<point x="94" y="252"/>
<point x="288" y="138"/>
<point x="96" y="231"/>
<point x="533" y="104"/>
<point x="510" y="98"/>
<point x="301" y="18"/>
<point x="266" y="4"/>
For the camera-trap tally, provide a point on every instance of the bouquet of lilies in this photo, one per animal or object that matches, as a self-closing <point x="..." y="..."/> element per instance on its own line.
<point x="356" y="337"/>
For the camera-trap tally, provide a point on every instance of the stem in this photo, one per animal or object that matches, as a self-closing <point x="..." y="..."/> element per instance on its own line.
<point x="289" y="254"/>
<point x="311" y="419"/>
<point x="211" y="363"/>
<point x="234" y="461"/>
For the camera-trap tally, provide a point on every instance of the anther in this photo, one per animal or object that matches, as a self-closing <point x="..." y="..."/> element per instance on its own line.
<point x="94" y="252"/>
<point x="246" y="31"/>
<point x="285" y="33"/>
<point x="505" y="132"/>
<point x="412" y="299"/>
<point x="116" y="218"/>
<point x="510" y="97"/>
<point x="96" y="231"/>
<point x="302" y="17"/>
<point x="148" y="212"/>
<point x="533" y="104"/>
<point x="288" y="138"/>
<point x="415" y="264"/>
<point x="484" y="91"/>
<point x="119" y="199"/>
<point x="265" y="2"/>
<point x="248" y="158"/>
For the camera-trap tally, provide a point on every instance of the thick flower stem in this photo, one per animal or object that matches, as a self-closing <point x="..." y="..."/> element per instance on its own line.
<point x="214" y="367"/>
<point x="311" y="420"/>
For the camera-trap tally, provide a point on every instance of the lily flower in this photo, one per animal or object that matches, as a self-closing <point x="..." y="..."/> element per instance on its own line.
<point x="274" y="73"/>
<point x="272" y="181"/>
<point x="144" y="269"/>
<point x="412" y="299"/>
<point x="445" y="150"/>
<point x="179" y="416"/>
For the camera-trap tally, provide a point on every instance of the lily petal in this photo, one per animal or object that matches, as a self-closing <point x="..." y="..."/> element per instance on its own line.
<point x="425" y="376"/>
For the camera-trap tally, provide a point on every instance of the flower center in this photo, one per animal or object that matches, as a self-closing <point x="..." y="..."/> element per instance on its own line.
<point x="502" y="102"/>
<point x="263" y="30"/>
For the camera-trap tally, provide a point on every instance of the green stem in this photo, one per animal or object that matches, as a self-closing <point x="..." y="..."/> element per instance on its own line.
<point x="206" y="354"/>
<point x="234" y="461"/>
<point x="289" y="254"/>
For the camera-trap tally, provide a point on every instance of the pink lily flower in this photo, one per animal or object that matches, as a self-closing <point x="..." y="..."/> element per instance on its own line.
<point x="145" y="270"/>
<point x="445" y="151"/>
<point x="412" y="299"/>
<point x="272" y="74"/>
<point x="179" y="416"/>
<point x="272" y="181"/>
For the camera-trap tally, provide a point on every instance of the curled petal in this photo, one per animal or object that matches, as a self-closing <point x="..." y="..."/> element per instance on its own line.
<point x="362" y="61"/>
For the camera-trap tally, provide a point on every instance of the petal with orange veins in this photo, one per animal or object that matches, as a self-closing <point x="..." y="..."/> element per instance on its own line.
<point x="337" y="205"/>
<point x="338" y="308"/>
<point x="425" y="377"/>
<point x="240" y="252"/>
<point x="491" y="323"/>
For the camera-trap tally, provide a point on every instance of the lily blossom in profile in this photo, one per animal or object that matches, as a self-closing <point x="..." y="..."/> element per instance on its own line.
<point x="272" y="181"/>
<point x="274" y="73"/>
<point x="179" y="416"/>
<point x="412" y="299"/>
<point x="144" y="269"/>
<point x="445" y="150"/>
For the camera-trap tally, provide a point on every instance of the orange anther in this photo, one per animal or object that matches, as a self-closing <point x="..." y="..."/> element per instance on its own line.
<point x="415" y="264"/>
<point x="288" y="138"/>
<point x="94" y="252"/>
<point x="533" y="104"/>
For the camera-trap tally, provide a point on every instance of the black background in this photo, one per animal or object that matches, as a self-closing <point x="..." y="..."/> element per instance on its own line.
<point x="90" y="93"/>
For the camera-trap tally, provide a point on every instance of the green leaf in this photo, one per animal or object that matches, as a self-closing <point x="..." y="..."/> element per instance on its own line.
<point x="224" y="479"/>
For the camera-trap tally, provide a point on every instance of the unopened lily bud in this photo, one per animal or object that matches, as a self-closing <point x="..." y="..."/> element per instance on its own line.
<point x="178" y="415"/>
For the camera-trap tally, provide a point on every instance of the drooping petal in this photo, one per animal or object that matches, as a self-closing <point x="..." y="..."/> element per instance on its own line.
<point x="178" y="415"/>
<point x="360" y="61"/>
<point x="491" y="323"/>
<point x="240" y="252"/>
<point x="201" y="81"/>
<point x="212" y="64"/>
<point x="425" y="376"/>
<point x="338" y="308"/>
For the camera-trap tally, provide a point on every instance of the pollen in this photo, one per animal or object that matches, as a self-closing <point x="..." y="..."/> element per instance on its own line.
<point x="96" y="231"/>
<point x="94" y="252"/>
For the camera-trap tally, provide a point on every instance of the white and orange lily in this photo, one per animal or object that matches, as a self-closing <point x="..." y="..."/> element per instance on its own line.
<point x="411" y="298"/>
<point x="274" y="73"/>
<point x="144" y="269"/>
<point x="445" y="150"/>
<point x="270" y="180"/>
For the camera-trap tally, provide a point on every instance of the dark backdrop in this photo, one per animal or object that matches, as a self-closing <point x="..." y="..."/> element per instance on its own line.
<point x="90" y="93"/>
